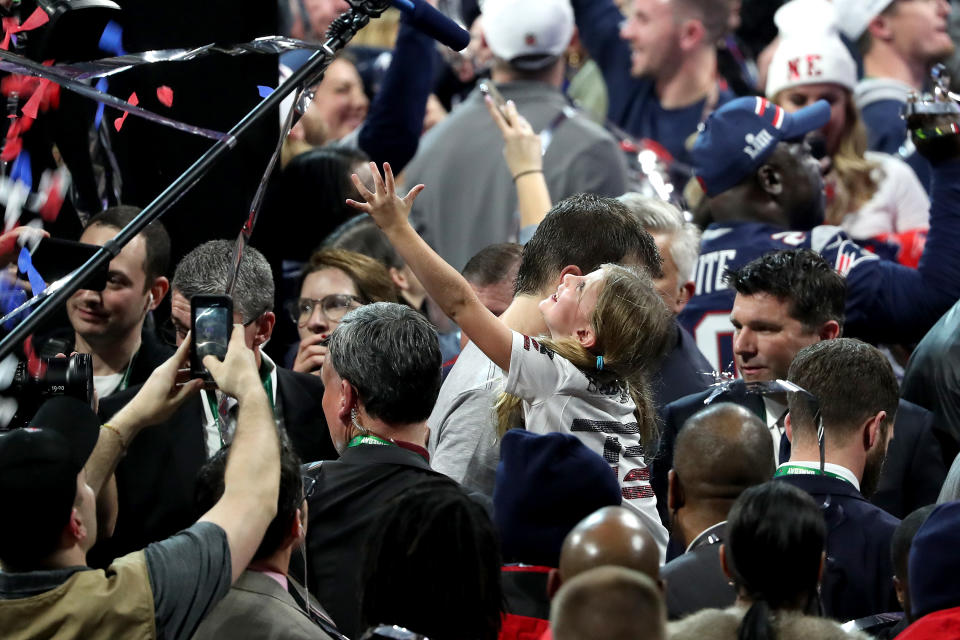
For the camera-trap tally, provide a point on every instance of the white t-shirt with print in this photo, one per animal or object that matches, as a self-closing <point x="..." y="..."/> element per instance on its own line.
<point x="559" y="398"/>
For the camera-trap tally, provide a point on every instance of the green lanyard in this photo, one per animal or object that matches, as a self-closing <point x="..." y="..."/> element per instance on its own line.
<point x="797" y="470"/>
<point x="368" y="439"/>
<point x="125" y="381"/>
<point x="212" y="401"/>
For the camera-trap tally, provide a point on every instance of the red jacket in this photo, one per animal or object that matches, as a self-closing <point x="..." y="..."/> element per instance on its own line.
<point x="939" y="625"/>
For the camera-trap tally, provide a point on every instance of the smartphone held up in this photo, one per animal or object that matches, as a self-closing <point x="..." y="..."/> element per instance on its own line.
<point x="211" y="322"/>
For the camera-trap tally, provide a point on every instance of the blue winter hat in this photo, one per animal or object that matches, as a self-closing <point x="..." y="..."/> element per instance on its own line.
<point x="545" y="485"/>
<point x="935" y="562"/>
<point x="738" y="138"/>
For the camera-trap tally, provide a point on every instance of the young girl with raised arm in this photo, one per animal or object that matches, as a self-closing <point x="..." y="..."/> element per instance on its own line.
<point x="608" y="331"/>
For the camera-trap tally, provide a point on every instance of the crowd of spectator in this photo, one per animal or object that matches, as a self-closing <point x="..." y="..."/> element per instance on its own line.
<point x="634" y="321"/>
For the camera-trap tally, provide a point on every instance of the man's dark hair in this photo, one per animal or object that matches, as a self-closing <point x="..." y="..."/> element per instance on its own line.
<point x="210" y="485"/>
<point x="902" y="538"/>
<point x="361" y="234"/>
<point x="816" y="292"/>
<point x="851" y="381"/>
<point x="407" y="579"/>
<point x="587" y="231"/>
<point x="712" y="14"/>
<point x="390" y="354"/>
<point x="493" y="263"/>
<point x="155" y="238"/>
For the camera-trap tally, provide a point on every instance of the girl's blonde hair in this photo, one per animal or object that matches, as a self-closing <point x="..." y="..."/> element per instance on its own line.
<point x="855" y="175"/>
<point x="634" y="330"/>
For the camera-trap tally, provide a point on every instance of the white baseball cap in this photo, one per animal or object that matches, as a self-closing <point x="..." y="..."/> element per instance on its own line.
<point x="853" y="16"/>
<point x="810" y="49"/>
<point x="527" y="33"/>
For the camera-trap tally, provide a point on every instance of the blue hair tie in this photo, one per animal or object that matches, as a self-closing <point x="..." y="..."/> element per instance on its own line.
<point x="599" y="363"/>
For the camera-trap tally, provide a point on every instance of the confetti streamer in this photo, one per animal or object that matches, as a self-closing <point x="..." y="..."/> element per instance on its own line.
<point x="38" y="18"/>
<point x="25" y="264"/>
<point x="102" y="87"/>
<point x="264" y="91"/>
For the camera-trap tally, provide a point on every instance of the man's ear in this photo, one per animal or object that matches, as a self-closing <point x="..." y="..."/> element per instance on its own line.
<point x="158" y="290"/>
<point x="691" y="34"/>
<point x="829" y="330"/>
<point x="569" y="269"/>
<point x="871" y="430"/>
<point x="880" y="28"/>
<point x="788" y="427"/>
<point x="75" y="531"/>
<point x="770" y="180"/>
<point x="675" y="497"/>
<point x="348" y="401"/>
<point x="399" y="278"/>
<point x="687" y="289"/>
<point x="265" y="325"/>
<point x="554" y="582"/>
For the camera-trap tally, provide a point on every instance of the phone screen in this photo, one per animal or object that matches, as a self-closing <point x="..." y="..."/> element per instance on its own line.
<point x="211" y="325"/>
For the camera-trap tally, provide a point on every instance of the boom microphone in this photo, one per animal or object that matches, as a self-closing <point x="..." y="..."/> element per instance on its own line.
<point x="425" y="18"/>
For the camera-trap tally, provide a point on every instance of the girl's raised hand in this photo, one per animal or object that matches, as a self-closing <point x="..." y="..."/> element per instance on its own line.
<point x="383" y="204"/>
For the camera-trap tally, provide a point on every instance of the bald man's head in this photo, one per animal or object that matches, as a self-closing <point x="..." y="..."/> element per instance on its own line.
<point x="612" y="603"/>
<point x="610" y="536"/>
<point x="721" y="451"/>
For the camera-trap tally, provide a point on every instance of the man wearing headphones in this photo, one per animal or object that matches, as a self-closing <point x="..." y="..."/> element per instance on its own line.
<point x="108" y="324"/>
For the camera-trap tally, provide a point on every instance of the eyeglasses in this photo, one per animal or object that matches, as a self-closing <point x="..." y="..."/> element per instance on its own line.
<point x="333" y="307"/>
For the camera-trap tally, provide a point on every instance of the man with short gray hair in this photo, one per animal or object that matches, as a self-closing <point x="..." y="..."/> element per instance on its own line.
<point x="156" y="477"/>
<point x="684" y="370"/>
<point x="381" y="379"/>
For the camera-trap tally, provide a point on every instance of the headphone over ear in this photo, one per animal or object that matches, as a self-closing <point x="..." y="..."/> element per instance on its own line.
<point x="149" y="302"/>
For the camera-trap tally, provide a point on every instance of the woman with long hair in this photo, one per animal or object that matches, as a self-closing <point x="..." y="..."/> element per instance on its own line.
<point x="774" y="557"/>
<point x="873" y="196"/>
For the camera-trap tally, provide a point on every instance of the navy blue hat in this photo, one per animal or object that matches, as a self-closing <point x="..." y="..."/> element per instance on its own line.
<point x="545" y="485"/>
<point x="935" y="562"/>
<point x="738" y="137"/>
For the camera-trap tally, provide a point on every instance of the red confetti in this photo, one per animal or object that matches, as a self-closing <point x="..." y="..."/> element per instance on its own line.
<point x="38" y="18"/>
<point x="11" y="149"/>
<point x="165" y="95"/>
<point x="119" y="121"/>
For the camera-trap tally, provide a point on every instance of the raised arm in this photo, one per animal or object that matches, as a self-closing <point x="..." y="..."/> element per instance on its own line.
<point x="155" y="402"/>
<point x="251" y="482"/>
<point x="442" y="282"/>
<point x="523" y="152"/>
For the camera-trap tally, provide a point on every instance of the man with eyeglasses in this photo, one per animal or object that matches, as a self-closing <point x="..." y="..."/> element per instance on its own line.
<point x="155" y="479"/>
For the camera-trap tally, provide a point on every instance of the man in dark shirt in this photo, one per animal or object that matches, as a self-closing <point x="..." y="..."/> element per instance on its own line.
<point x="50" y="476"/>
<point x="381" y="379"/>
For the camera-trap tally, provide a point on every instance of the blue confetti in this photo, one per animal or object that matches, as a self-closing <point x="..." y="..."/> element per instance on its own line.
<point x="111" y="40"/>
<point x="264" y="91"/>
<point x="101" y="86"/>
<point x="22" y="170"/>
<point x="25" y="264"/>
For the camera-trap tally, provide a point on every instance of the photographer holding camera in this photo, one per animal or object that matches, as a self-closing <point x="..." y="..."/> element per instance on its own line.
<point x="49" y="478"/>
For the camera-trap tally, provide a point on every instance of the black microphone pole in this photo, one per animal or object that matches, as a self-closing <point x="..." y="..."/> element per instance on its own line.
<point x="338" y="35"/>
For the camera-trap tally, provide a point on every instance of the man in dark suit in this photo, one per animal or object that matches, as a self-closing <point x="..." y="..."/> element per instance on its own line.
<point x="856" y="399"/>
<point x="381" y="379"/>
<point x="785" y="301"/>
<point x="721" y="451"/>
<point x="155" y="480"/>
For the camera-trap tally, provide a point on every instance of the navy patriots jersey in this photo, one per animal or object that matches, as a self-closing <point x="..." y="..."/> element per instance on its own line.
<point x="886" y="302"/>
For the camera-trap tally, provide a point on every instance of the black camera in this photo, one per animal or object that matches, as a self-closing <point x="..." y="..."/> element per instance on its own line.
<point x="72" y="376"/>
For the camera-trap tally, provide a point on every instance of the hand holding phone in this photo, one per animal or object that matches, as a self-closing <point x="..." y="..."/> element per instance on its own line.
<point x="487" y="88"/>
<point x="211" y="322"/>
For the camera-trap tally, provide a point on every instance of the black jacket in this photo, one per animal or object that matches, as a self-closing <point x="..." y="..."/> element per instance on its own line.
<point x="858" y="577"/>
<point x="156" y="478"/>
<point x="912" y="474"/>
<point x="346" y="500"/>
<point x="683" y="371"/>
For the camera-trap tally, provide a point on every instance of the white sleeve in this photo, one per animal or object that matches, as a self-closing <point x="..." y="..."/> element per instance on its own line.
<point x="535" y="371"/>
<point x="912" y="203"/>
